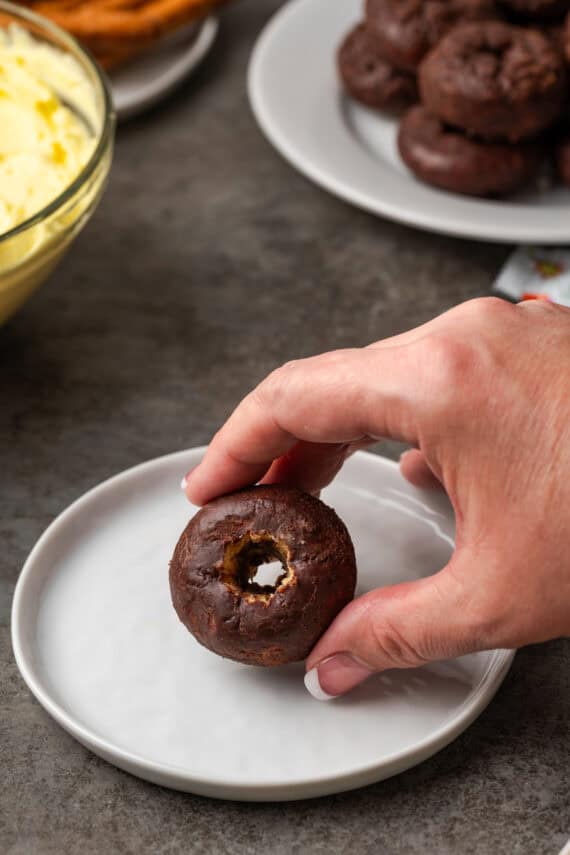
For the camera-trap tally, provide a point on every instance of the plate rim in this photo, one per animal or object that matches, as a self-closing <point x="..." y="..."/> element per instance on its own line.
<point x="175" y="74"/>
<point x="499" y="232"/>
<point x="179" y="778"/>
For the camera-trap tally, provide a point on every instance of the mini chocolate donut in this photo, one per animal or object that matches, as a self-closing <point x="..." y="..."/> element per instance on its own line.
<point x="567" y="38"/>
<point x="447" y="158"/>
<point x="214" y="564"/>
<point x="407" y="29"/>
<point x="369" y="78"/>
<point x="537" y="8"/>
<point x="494" y="81"/>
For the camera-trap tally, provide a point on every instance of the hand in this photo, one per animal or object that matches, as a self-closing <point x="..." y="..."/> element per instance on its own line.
<point x="483" y="394"/>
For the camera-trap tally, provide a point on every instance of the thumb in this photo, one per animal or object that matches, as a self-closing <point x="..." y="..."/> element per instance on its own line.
<point x="402" y="626"/>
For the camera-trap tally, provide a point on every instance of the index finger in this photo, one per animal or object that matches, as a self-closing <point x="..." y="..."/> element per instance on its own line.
<point x="338" y="397"/>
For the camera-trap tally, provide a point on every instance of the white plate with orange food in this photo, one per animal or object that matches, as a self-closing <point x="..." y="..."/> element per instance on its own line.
<point x="151" y="77"/>
<point x="146" y="48"/>
<point x="351" y="150"/>
<point x="99" y="644"/>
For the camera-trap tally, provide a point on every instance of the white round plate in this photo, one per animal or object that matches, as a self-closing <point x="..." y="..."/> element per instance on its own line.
<point x="351" y="151"/>
<point x="152" y="77"/>
<point x="100" y="646"/>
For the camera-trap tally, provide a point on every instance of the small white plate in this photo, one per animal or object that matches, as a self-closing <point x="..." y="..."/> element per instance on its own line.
<point x="100" y="646"/>
<point x="152" y="77"/>
<point x="351" y="151"/>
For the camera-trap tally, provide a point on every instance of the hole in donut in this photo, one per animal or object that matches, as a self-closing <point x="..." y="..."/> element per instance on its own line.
<point x="257" y="566"/>
<point x="269" y="574"/>
<point x="250" y="558"/>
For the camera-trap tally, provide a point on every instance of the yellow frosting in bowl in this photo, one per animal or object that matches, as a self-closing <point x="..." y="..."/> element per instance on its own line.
<point x="51" y="119"/>
<point x="44" y="144"/>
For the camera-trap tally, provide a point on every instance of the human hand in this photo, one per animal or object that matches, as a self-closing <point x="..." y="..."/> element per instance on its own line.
<point x="482" y="393"/>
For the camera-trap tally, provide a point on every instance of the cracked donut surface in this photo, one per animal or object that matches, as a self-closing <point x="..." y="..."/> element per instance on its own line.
<point x="213" y="574"/>
<point x="495" y="81"/>
<point x="408" y="29"/>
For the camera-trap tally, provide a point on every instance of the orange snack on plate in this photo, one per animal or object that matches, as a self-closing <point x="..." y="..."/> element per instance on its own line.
<point x="117" y="30"/>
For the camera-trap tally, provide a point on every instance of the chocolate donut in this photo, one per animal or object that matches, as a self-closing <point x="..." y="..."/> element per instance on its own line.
<point x="214" y="564"/>
<point x="448" y="159"/>
<point x="494" y="81"/>
<point x="369" y="78"/>
<point x="408" y="29"/>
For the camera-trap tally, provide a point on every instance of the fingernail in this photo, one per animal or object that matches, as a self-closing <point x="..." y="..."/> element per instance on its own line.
<point x="313" y="686"/>
<point x="404" y="453"/>
<point x="335" y="676"/>
<point x="184" y="482"/>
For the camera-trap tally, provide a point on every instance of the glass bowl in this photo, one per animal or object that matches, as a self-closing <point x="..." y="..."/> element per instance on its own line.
<point x="30" y="251"/>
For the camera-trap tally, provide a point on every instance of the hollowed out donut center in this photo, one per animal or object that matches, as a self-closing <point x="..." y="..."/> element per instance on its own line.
<point x="257" y="553"/>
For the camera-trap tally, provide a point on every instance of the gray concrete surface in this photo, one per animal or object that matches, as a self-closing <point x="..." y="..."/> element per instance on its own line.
<point x="208" y="263"/>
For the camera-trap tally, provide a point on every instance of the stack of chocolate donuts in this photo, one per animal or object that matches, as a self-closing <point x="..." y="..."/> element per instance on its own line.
<point x="483" y="87"/>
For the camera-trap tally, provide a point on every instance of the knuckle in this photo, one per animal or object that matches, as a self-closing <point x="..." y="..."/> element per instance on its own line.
<point x="537" y="303"/>
<point x="287" y="370"/>
<point x="293" y="376"/>
<point x="393" y="647"/>
<point x="448" y="361"/>
<point x="461" y="356"/>
<point x="263" y="397"/>
<point x="334" y="363"/>
<point x="339" y="366"/>
<point x="271" y="389"/>
<point x="338" y="357"/>
<point x="289" y="366"/>
<point x="485" y="310"/>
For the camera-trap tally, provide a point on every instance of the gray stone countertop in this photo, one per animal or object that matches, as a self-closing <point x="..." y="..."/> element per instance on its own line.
<point x="208" y="263"/>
